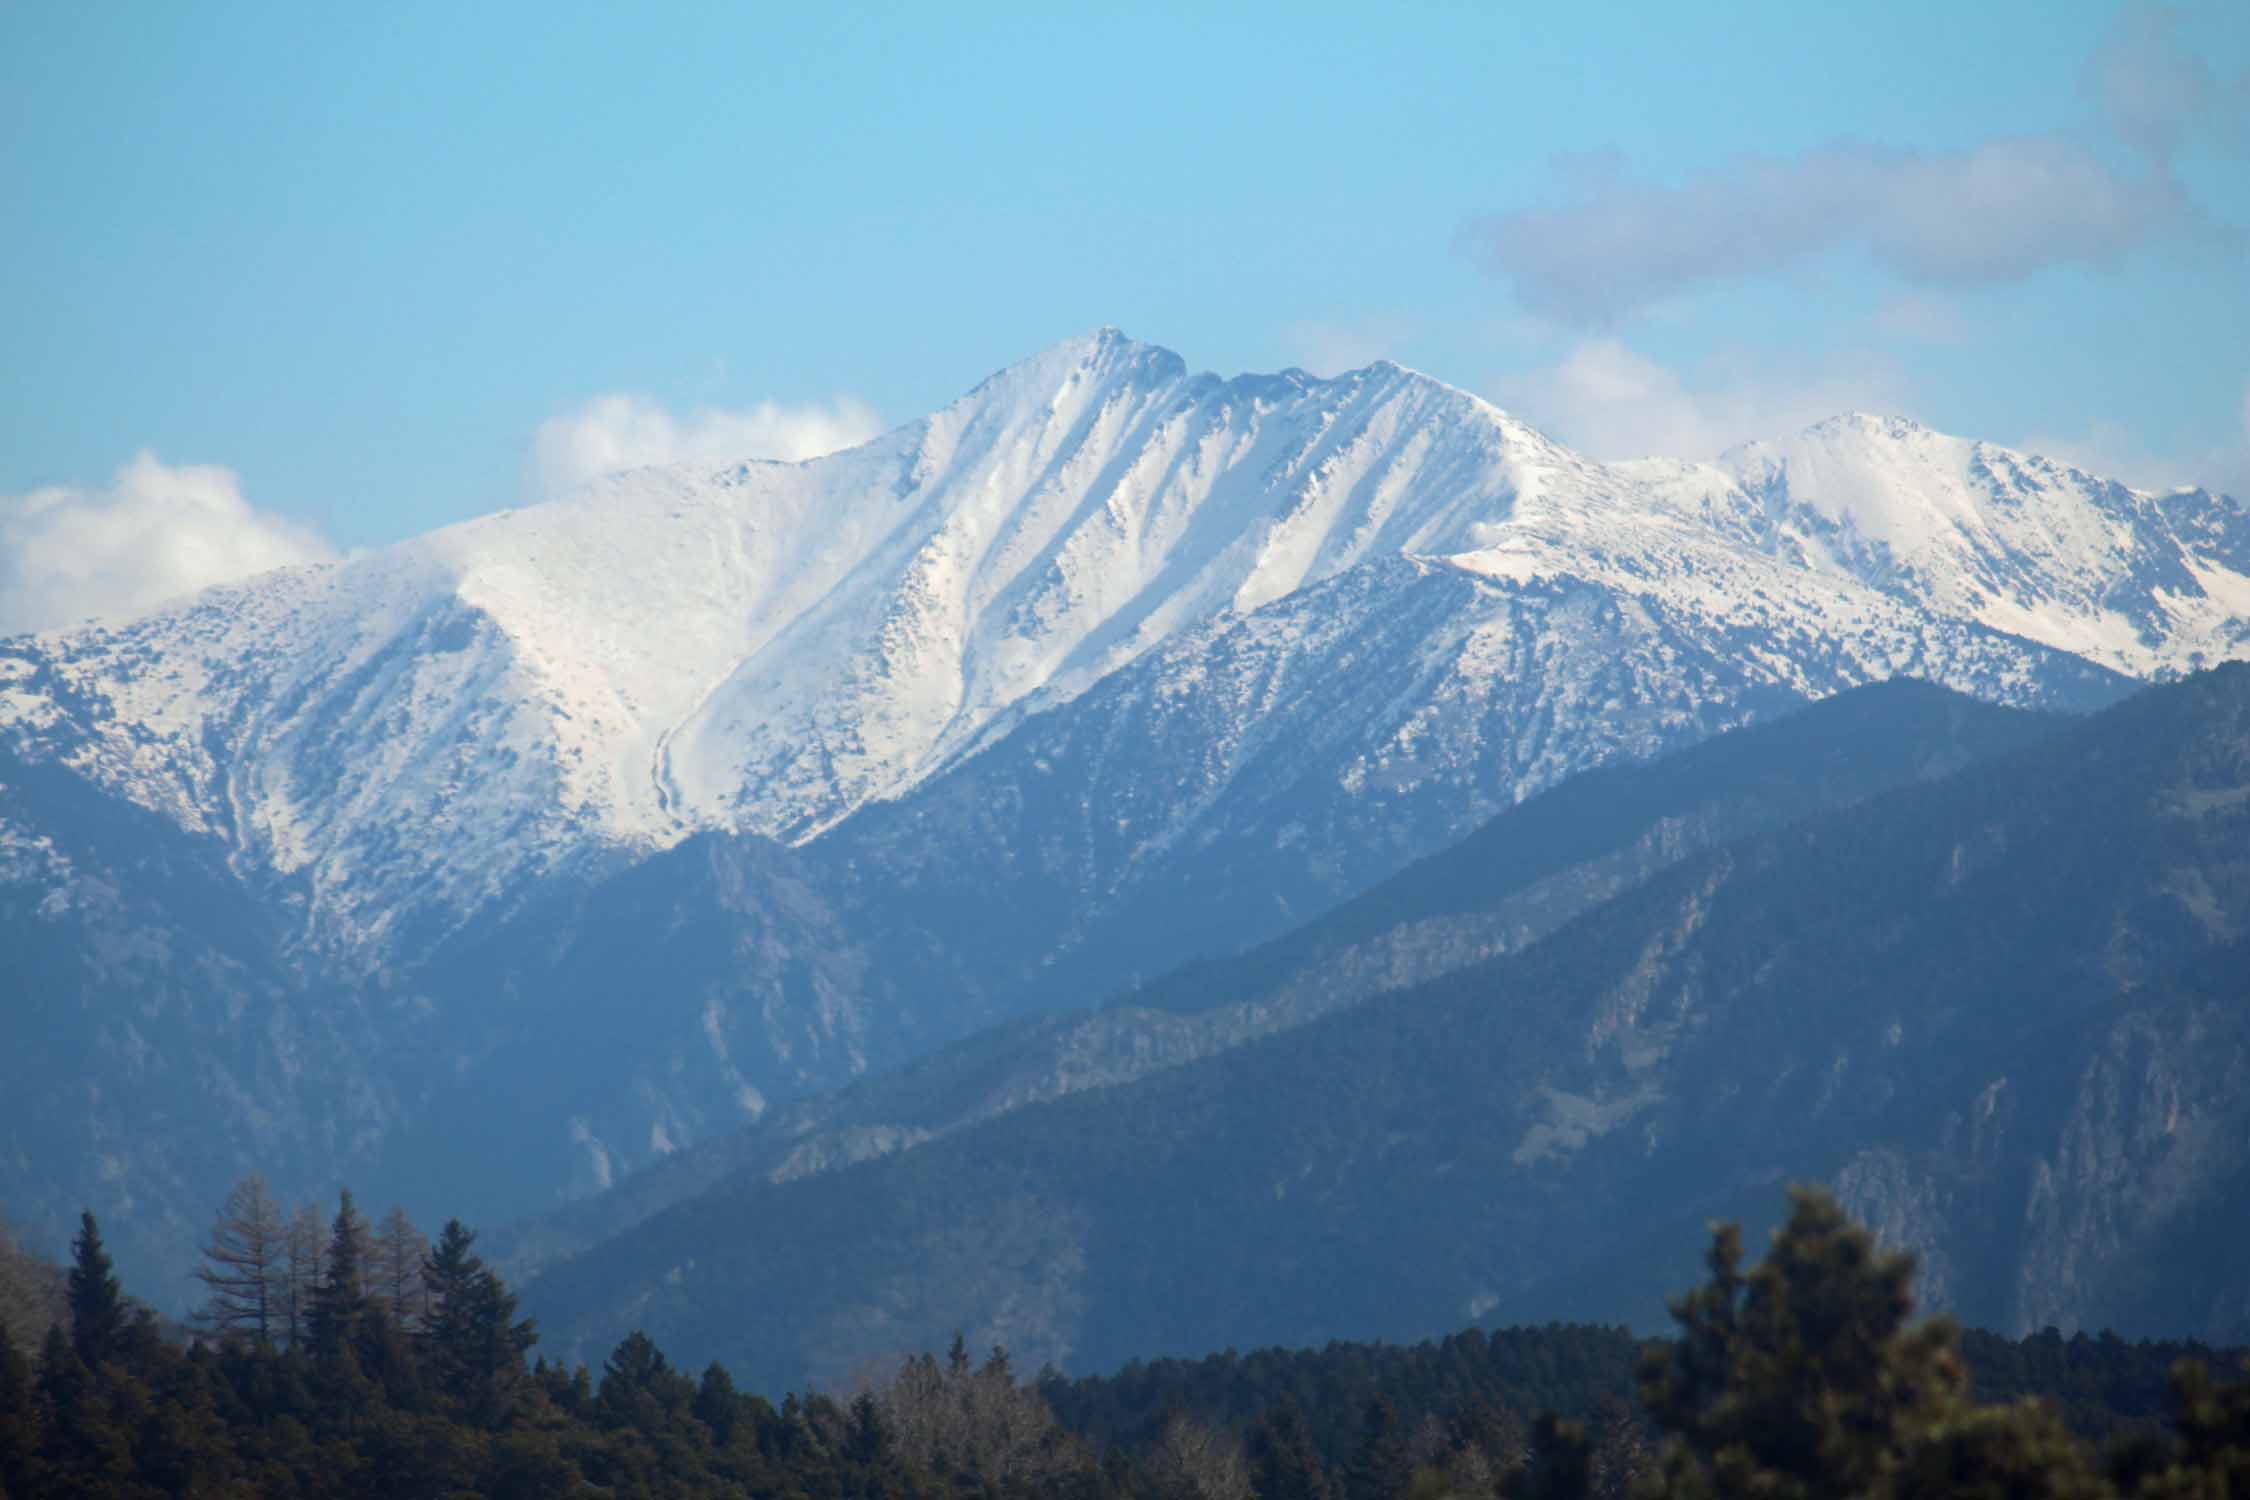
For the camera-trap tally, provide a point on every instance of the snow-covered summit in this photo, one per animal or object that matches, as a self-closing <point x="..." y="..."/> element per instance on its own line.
<point x="769" y="646"/>
<point x="2141" y="582"/>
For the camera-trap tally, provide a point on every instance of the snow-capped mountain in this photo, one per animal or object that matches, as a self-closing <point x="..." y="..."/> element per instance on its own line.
<point x="1103" y="666"/>
<point x="762" y="648"/>
<point x="2144" y="583"/>
<point x="768" y="647"/>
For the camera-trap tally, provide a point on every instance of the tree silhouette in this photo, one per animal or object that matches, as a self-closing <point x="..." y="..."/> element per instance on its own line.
<point x="244" y="1264"/>
<point x="473" y="1343"/>
<point x="339" y="1302"/>
<point x="98" y="1319"/>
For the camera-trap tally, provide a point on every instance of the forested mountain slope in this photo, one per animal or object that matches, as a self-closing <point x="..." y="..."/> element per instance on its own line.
<point x="2004" y="1013"/>
<point x="1521" y="875"/>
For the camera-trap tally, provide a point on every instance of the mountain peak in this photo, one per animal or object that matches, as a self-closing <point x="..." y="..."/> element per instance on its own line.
<point x="1104" y="353"/>
<point x="1867" y="423"/>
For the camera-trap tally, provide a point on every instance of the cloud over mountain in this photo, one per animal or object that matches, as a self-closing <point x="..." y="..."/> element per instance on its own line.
<point x="627" y="431"/>
<point x="154" y="533"/>
<point x="1613" y="401"/>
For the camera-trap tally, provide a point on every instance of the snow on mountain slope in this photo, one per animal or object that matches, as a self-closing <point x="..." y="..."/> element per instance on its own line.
<point x="2143" y="583"/>
<point x="412" y="733"/>
<point x="763" y="648"/>
<point x="1260" y="767"/>
<point x="1063" y="517"/>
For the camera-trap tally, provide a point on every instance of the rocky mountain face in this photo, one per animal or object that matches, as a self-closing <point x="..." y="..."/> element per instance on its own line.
<point x="2005" y="1013"/>
<point x="590" y="830"/>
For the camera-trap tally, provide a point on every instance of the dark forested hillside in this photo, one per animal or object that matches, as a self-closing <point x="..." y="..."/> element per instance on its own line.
<point x="2104" y="1386"/>
<point x="1562" y="853"/>
<point x="2003" y="1013"/>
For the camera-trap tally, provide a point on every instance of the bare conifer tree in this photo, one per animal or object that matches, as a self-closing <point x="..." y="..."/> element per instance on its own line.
<point x="394" y="1273"/>
<point x="1623" y="1454"/>
<point x="1470" y="1473"/>
<point x="303" y="1254"/>
<point x="977" y="1419"/>
<point x="245" y="1263"/>
<point x="1195" y="1462"/>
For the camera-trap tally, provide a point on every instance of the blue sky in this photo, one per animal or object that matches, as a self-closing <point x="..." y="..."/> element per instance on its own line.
<point x="355" y="261"/>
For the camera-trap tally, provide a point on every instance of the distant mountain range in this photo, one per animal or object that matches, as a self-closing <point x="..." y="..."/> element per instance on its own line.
<point x="488" y="867"/>
<point x="2005" y="1013"/>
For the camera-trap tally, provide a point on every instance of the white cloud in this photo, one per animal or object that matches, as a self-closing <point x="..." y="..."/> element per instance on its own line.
<point x="625" y="431"/>
<point x="1994" y="213"/>
<point x="2159" y="95"/>
<point x="155" y="533"/>
<point x="1611" y="401"/>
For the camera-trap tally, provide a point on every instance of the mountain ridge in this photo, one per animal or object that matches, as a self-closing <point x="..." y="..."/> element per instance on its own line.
<point x="681" y="647"/>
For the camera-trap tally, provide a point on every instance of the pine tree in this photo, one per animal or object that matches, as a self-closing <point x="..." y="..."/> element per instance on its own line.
<point x="717" y="1404"/>
<point x="1378" y="1467"/>
<point x="19" y="1418"/>
<point x="1562" y="1462"/>
<point x="473" y="1343"/>
<point x="447" y="1270"/>
<point x="636" y="1382"/>
<point x="1490" y="1437"/>
<point x="184" y="1447"/>
<point x="339" y="1303"/>
<point x="2213" y="1424"/>
<point x="98" y="1320"/>
<point x="2020" y="1451"/>
<point x="63" y="1376"/>
<point x="1284" y="1464"/>
<point x="1802" y="1378"/>
<point x="865" y="1441"/>
<point x="245" y="1264"/>
<point x="83" y="1448"/>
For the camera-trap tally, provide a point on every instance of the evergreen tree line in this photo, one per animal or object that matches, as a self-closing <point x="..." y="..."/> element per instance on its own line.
<point x="2105" y="1388"/>
<point x="1804" y="1376"/>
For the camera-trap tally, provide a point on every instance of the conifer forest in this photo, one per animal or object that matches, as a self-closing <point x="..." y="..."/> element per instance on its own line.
<point x="353" y="1359"/>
